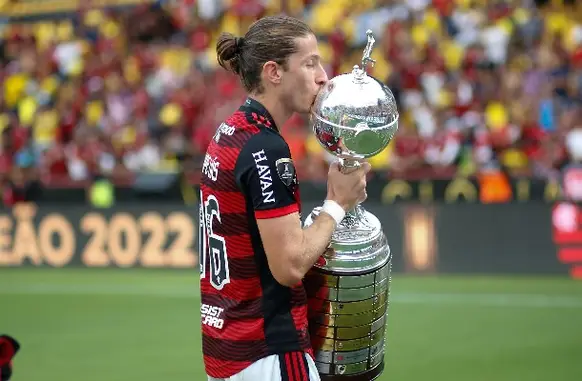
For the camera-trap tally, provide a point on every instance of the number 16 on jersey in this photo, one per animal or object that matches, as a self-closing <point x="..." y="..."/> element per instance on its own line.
<point x="212" y="246"/>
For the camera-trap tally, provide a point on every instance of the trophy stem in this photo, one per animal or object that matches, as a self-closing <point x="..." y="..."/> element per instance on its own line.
<point x="348" y="165"/>
<point x="354" y="216"/>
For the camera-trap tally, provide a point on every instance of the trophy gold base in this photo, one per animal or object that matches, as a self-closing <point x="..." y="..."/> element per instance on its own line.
<point x="348" y="292"/>
<point x="369" y="375"/>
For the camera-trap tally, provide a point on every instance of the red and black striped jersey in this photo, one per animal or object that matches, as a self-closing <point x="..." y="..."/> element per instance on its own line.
<point x="248" y="174"/>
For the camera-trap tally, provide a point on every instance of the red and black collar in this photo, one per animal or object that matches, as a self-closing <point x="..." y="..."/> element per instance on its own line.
<point x="259" y="113"/>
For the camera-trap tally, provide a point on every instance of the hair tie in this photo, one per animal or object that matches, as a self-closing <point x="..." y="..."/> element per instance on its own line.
<point x="238" y="44"/>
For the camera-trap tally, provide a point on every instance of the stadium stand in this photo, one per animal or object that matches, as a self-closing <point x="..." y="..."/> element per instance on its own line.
<point x="481" y="85"/>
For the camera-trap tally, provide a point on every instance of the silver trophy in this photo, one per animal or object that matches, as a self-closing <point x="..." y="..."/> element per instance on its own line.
<point x="354" y="117"/>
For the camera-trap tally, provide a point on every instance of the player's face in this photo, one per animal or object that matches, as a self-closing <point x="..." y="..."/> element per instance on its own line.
<point x="305" y="75"/>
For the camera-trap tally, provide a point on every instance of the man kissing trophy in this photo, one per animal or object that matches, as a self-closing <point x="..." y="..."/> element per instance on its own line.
<point x="354" y="117"/>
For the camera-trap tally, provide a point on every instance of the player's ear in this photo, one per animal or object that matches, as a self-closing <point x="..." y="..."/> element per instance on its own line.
<point x="272" y="72"/>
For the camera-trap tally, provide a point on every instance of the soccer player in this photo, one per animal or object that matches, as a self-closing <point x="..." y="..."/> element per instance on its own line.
<point x="254" y="252"/>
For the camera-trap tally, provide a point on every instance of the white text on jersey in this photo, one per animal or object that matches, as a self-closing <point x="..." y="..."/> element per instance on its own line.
<point x="210" y="167"/>
<point x="223" y="129"/>
<point x="264" y="177"/>
<point x="212" y="316"/>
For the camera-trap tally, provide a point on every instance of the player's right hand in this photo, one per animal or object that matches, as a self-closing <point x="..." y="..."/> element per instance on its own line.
<point x="347" y="189"/>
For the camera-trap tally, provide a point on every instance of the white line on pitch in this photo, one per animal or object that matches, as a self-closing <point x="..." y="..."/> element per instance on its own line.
<point x="479" y="299"/>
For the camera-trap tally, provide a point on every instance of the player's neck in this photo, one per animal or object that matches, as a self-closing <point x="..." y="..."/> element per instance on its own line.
<point x="276" y="108"/>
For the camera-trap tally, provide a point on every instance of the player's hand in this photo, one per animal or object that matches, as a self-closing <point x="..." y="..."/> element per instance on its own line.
<point x="347" y="189"/>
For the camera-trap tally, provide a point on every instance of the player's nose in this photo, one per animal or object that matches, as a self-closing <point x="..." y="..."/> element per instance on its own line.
<point x="321" y="77"/>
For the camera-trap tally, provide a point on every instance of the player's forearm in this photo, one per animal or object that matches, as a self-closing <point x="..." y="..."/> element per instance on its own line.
<point x="315" y="241"/>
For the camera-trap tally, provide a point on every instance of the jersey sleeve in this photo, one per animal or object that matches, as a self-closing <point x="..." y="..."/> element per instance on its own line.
<point x="266" y="174"/>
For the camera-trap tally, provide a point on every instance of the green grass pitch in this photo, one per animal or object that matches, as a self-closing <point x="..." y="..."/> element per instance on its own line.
<point x="142" y="325"/>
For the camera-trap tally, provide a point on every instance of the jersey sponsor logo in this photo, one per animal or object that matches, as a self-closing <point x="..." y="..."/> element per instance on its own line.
<point x="223" y="129"/>
<point x="264" y="176"/>
<point x="210" y="167"/>
<point x="286" y="171"/>
<point x="212" y="316"/>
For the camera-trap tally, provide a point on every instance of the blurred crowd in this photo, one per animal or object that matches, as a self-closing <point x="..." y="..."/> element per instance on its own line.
<point x="481" y="85"/>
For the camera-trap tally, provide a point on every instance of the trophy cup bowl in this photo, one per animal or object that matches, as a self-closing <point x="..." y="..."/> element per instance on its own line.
<point x="354" y="117"/>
